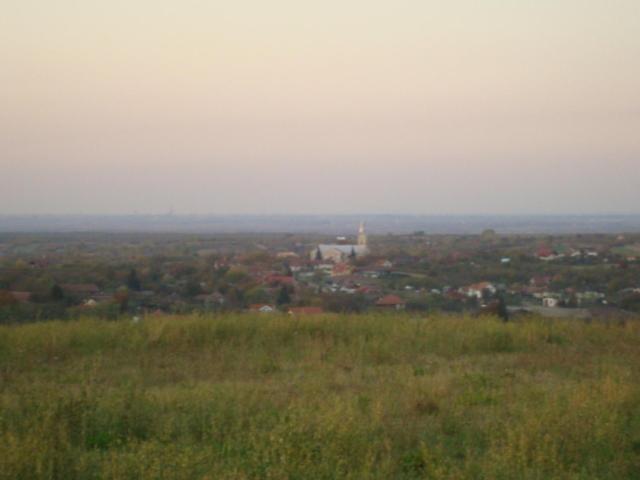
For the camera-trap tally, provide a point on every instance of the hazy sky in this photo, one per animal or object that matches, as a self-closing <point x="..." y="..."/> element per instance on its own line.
<point x="345" y="106"/>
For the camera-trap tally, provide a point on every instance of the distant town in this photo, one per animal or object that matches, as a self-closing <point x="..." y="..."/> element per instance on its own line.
<point x="69" y="275"/>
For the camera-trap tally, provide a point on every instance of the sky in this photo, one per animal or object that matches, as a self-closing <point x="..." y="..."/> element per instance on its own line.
<point x="339" y="106"/>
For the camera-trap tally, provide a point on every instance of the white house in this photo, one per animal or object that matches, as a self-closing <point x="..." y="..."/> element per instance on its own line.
<point x="477" y="289"/>
<point x="262" y="308"/>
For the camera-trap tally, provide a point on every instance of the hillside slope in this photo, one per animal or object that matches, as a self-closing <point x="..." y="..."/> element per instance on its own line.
<point x="320" y="397"/>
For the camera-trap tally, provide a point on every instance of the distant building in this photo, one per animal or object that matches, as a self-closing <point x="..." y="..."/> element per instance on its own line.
<point x="477" y="290"/>
<point x="340" y="252"/>
<point x="262" y="308"/>
<point x="384" y="263"/>
<point x="541" y="281"/>
<point x="210" y="299"/>
<point x="391" y="302"/>
<point x="279" y="281"/>
<point x="286" y="255"/>
<point x="21" y="297"/>
<point x="341" y="270"/>
<point x="547" y="254"/>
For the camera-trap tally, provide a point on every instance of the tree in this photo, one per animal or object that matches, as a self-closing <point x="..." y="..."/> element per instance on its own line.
<point x="489" y="233"/>
<point x="6" y="299"/>
<point x="572" y="302"/>
<point x="56" y="293"/>
<point x="486" y="294"/>
<point x="235" y="275"/>
<point x="192" y="288"/>
<point x="345" y="303"/>
<point x="121" y="297"/>
<point x="257" y="295"/>
<point x="234" y="298"/>
<point x="318" y="254"/>
<point x="133" y="283"/>
<point x="501" y="309"/>
<point x="284" y="298"/>
<point x="632" y="303"/>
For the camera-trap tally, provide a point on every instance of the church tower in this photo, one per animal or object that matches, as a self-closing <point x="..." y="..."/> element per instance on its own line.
<point x="362" y="236"/>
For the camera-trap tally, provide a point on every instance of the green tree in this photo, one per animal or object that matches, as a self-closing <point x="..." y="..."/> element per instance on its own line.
<point x="192" y="288"/>
<point x="257" y="295"/>
<point x="133" y="283"/>
<point x="501" y="309"/>
<point x="56" y="293"/>
<point x="632" y="302"/>
<point x="284" y="298"/>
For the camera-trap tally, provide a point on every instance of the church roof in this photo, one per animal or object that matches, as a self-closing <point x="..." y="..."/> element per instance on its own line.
<point x="343" y="248"/>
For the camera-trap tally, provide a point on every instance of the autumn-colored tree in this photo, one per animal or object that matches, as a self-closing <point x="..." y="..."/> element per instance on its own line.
<point x="6" y="299"/>
<point x="121" y="297"/>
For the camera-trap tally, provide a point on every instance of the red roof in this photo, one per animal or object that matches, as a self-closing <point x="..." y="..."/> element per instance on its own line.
<point x="480" y="286"/>
<point x="257" y="306"/>
<point x="390" y="300"/>
<point x="305" y="310"/>
<point x="545" y="252"/>
<point x="540" y="280"/>
<point x="367" y="289"/>
<point x="22" y="297"/>
<point x="279" y="280"/>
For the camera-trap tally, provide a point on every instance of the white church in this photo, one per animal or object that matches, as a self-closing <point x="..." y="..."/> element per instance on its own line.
<point x="339" y="252"/>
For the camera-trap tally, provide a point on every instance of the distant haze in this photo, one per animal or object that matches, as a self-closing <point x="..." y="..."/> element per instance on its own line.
<point x="283" y="106"/>
<point x="321" y="224"/>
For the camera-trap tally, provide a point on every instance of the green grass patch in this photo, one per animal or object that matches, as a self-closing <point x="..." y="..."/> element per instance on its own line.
<point x="371" y="396"/>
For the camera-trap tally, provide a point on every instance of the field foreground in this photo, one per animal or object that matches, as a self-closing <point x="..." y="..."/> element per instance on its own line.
<point x="370" y="396"/>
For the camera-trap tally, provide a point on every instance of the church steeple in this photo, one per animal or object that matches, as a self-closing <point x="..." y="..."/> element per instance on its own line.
<point x="362" y="236"/>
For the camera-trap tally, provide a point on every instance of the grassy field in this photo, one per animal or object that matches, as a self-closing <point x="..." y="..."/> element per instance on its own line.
<point x="372" y="396"/>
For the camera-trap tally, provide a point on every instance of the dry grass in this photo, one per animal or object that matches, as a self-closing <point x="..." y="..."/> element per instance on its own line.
<point x="367" y="396"/>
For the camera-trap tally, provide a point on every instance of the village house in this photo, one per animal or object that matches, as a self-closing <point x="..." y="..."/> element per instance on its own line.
<point x="341" y="269"/>
<point x="478" y="290"/>
<point x="540" y="281"/>
<point x="262" y="308"/>
<point x="210" y="299"/>
<point x="296" y="264"/>
<point x="391" y="302"/>
<point x="587" y="298"/>
<point x="21" y="297"/>
<point x="384" y="263"/>
<point x="550" y="302"/>
<point x="284" y="255"/>
<point x="279" y="281"/>
<point x="547" y="254"/>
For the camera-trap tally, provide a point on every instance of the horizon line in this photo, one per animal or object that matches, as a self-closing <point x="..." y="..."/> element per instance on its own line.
<point x="323" y="214"/>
